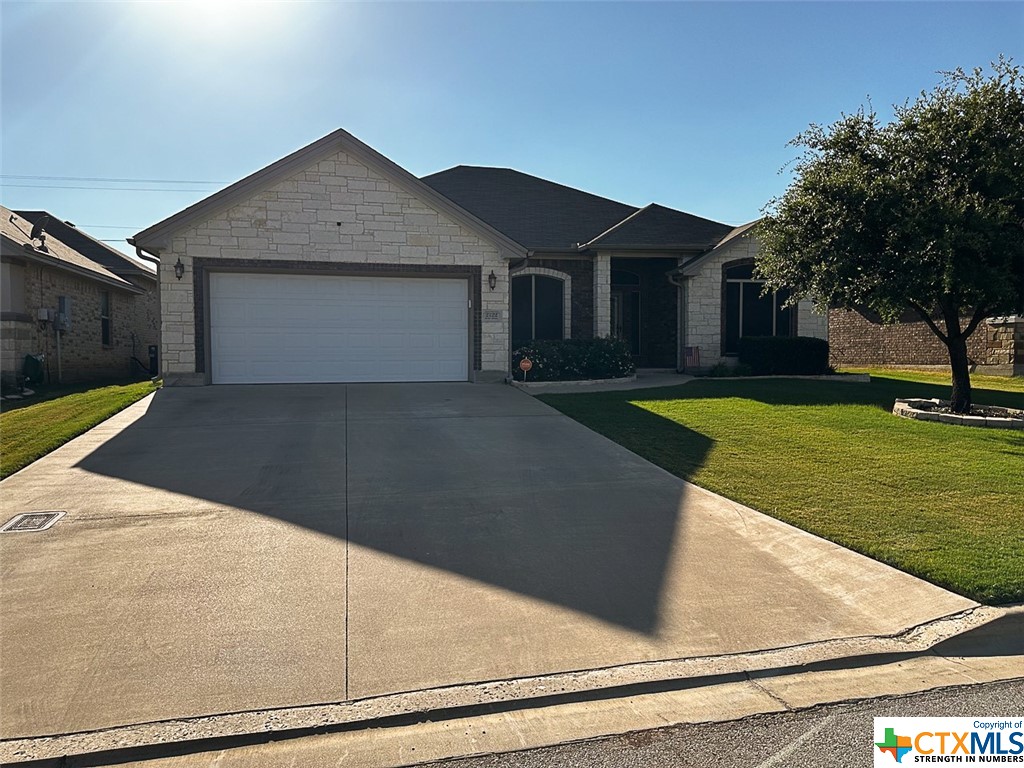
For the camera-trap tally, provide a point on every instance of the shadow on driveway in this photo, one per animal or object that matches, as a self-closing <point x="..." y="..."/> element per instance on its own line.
<point x="476" y="480"/>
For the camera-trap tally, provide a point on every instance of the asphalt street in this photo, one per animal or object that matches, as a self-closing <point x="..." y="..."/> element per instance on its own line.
<point x="839" y="736"/>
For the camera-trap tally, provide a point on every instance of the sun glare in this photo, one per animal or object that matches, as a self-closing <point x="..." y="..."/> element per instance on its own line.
<point x="227" y="21"/>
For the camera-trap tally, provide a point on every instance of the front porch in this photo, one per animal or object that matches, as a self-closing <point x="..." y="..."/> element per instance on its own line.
<point x="643" y="309"/>
<point x="629" y="298"/>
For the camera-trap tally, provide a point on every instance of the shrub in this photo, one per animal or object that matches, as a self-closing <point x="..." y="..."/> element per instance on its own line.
<point x="724" y="370"/>
<point x="782" y="355"/>
<point x="574" y="359"/>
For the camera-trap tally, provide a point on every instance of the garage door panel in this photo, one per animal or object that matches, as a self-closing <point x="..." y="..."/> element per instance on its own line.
<point x="305" y="328"/>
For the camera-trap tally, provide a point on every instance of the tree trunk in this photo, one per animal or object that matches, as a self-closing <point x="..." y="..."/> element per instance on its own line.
<point x="960" y="399"/>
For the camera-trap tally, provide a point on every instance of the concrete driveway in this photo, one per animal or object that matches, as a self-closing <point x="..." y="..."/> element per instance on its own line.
<point x="237" y="548"/>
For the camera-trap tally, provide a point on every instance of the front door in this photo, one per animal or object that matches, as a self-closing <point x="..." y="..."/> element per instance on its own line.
<point x="625" y="306"/>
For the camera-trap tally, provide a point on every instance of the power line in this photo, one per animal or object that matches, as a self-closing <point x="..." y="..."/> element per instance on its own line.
<point x="103" y="189"/>
<point x="102" y="178"/>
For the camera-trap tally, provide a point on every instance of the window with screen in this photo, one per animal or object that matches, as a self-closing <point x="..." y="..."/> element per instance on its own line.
<point x="748" y="311"/>
<point x="538" y="309"/>
<point x="105" y="319"/>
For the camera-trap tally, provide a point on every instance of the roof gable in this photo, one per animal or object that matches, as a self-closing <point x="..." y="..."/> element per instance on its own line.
<point x="538" y="213"/>
<point x="158" y="236"/>
<point x="693" y="266"/>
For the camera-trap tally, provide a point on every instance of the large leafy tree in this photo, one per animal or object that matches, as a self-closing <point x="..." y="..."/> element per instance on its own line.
<point x="924" y="213"/>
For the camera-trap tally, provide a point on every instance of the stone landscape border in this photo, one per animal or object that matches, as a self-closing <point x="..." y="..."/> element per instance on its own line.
<point x="920" y="409"/>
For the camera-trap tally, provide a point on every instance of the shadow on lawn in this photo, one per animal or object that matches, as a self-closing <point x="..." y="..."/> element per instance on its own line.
<point x="880" y="392"/>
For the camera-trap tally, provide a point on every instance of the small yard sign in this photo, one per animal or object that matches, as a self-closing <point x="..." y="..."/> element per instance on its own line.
<point x="525" y="365"/>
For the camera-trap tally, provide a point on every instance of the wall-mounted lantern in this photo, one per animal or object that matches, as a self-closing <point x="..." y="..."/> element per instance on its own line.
<point x="492" y="280"/>
<point x="179" y="269"/>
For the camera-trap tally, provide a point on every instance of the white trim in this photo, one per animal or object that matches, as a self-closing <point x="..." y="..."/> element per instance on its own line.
<point x="566" y="292"/>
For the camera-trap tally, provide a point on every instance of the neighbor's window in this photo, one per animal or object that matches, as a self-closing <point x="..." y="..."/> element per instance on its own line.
<point x="13" y="287"/>
<point x="748" y="313"/>
<point x="537" y="308"/>
<point x="105" y="318"/>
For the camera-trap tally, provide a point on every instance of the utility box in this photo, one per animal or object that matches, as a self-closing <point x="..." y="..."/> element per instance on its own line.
<point x="154" y="368"/>
<point x="63" y="313"/>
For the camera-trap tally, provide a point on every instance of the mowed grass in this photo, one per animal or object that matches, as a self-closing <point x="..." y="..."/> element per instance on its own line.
<point x="28" y="432"/>
<point x="942" y="502"/>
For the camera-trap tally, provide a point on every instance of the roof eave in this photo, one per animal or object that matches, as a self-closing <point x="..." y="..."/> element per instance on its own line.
<point x="692" y="247"/>
<point x="26" y="250"/>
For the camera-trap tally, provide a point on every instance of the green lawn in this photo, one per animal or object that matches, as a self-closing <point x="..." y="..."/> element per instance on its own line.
<point x="943" y="502"/>
<point x="29" y="431"/>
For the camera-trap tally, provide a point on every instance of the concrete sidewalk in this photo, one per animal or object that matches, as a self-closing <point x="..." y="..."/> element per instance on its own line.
<point x="246" y="549"/>
<point x="328" y="736"/>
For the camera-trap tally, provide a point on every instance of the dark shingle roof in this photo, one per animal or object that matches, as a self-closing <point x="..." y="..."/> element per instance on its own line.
<point x="541" y="215"/>
<point x="534" y="212"/>
<point x="657" y="225"/>
<point x="58" y="253"/>
<point x="88" y="246"/>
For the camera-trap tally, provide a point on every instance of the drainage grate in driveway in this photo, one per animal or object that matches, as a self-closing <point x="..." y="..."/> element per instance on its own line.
<point x="31" y="521"/>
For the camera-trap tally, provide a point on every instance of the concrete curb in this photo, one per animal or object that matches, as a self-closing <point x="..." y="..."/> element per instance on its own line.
<point x="760" y="670"/>
<point x="540" y="386"/>
<point x="849" y="378"/>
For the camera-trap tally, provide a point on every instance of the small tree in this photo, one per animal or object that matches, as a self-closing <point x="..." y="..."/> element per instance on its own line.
<point x="924" y="213"/>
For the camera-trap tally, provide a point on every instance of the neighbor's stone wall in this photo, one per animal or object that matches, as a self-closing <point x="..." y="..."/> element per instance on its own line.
<point x="83" y="357"/>
<point x="704" y="308"/>
<point x="341" y="212"/>
<point x="859" y="338"/>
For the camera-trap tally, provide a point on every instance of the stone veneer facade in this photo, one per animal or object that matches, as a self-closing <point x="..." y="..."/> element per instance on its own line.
<point x="703" y="321"/>
<point x="338" y="216"/>
<point x="83" y="357"/>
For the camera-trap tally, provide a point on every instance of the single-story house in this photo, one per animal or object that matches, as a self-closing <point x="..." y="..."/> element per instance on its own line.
<point x="859" y="338"/>
<point x="336" y="264"/>
<point x="89" y="312"/>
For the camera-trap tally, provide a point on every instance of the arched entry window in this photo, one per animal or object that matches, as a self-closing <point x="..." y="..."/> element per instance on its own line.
<point x="747" y="313"/>
<point x="538" y="308"/>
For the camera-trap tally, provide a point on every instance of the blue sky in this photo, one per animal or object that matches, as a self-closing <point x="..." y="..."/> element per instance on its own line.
<point x="685" y="104"/>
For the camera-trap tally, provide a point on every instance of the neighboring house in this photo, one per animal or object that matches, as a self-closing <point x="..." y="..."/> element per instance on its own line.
<point x="335" y="264"/>
<point x="86" y="316"/>
<point x="860" y="339"/>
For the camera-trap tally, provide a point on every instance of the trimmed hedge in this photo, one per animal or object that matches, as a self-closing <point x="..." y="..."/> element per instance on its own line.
<point x="784" y="355"/>
<point x="574" y="360"/>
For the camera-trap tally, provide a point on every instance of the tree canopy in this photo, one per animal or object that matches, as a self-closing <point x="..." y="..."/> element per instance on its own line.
<point x="925" y="212"/>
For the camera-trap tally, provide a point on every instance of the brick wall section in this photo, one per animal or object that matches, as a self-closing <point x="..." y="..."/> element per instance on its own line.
<point x="83" y="356"/>
<point x="582" y="273"/>
<point x="860" y="338"/>
<point x="338" y="211"/>
<point x="704" y="304"/>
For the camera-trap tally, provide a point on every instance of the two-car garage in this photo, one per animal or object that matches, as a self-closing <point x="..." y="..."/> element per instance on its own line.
<point x="293" y="328"/>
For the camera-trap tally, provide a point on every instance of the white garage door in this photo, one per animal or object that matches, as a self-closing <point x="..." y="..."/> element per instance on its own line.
<point x="316" y="328"/>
